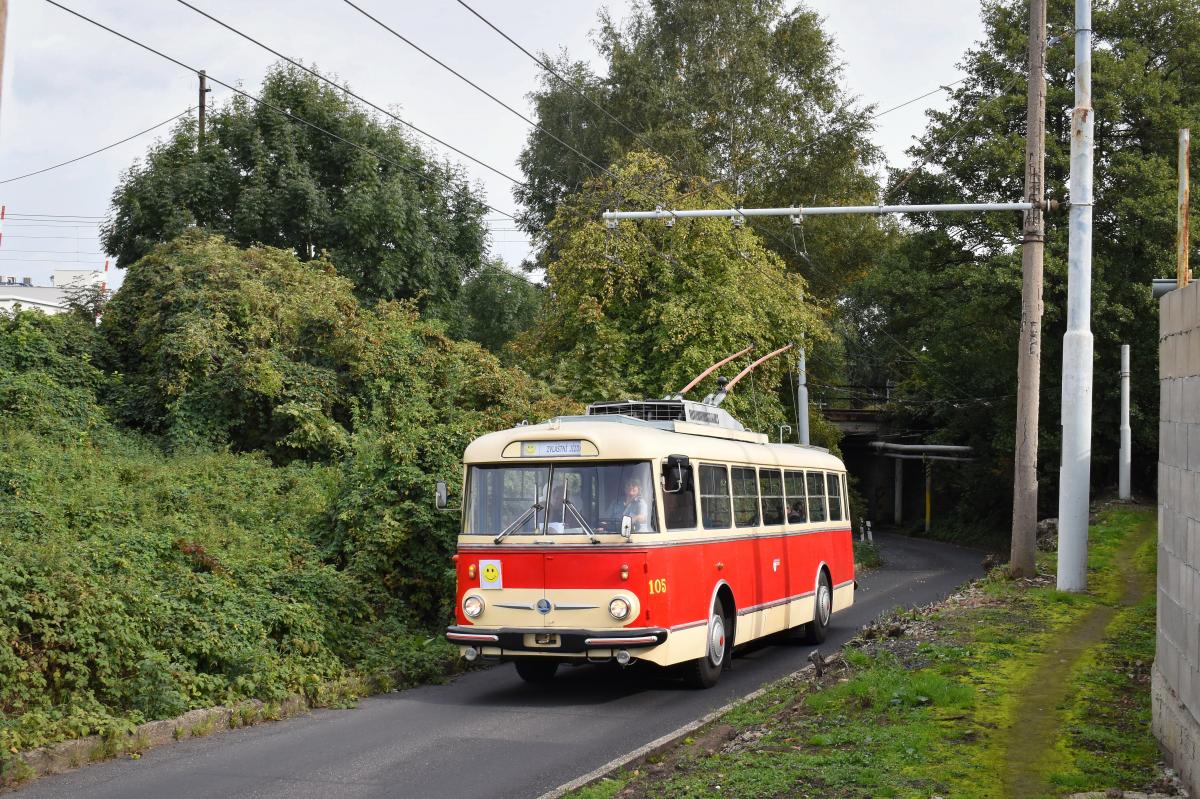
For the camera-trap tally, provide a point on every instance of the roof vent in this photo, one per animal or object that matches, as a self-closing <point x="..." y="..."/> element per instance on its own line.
<point x="667" y="410"/>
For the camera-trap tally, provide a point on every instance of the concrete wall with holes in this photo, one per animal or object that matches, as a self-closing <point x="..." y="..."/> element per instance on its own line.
<point x="1175" y="686"/>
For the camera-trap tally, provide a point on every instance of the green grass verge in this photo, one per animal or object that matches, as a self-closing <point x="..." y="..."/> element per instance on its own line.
<point x="944" y="709"/>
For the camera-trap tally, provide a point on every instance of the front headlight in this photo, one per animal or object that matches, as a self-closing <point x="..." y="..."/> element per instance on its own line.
<point x="473" y="606"/>
<point x="618" y="609"/>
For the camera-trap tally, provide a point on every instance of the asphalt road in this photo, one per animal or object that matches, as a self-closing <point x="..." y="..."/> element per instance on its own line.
<point x="487" y="734"/>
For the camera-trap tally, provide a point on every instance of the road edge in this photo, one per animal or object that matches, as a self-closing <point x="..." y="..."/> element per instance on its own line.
<point x="665" y="742"/>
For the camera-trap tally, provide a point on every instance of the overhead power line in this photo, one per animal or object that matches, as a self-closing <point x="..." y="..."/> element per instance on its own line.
<point x="346" y="89"/>
<point x="945" y="88"/>
<point x="474" y="85"/>
<point x="61" y="216"/>
<point x="253" y="98"/>
<point x="546" y="66"/>
<point x="93" y="152"/>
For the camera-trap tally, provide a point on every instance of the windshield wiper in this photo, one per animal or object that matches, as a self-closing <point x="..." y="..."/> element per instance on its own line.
<point x="520" y="520"/>
<point x="587" y="528"/>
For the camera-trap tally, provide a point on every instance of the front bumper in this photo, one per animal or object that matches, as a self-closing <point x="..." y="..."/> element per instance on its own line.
<point x="570" y="642"/>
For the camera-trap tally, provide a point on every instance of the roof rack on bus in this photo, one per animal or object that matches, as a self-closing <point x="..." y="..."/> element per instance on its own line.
<point x="667" y="410"/>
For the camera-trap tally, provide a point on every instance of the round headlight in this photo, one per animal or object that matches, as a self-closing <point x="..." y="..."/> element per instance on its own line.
<point x="618" y="609"/>
<point x="473" y="606"/>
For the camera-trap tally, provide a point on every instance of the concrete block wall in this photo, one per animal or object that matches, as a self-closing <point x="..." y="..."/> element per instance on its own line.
<point x="1175" y="684"/>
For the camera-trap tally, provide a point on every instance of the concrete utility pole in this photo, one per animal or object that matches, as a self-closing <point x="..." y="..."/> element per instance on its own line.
<point x="802" y="400"/>
<point x="1125" y="457"/>
<point x="204" y="90"/>
<point x="1182" y="274"/>
<point x="3" y="34"/>
<point x="1029" y="359"/>
<point x="1075" y="472"/>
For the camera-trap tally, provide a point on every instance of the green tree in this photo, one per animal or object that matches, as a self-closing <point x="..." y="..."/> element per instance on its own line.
<point x="742" y="92"/>
<point x="496" y="305"/>
<point x="398" y="226"/>
<point x="640" y="310"/>
<point x="222" y="346"/>
<point x="944" y="308"/>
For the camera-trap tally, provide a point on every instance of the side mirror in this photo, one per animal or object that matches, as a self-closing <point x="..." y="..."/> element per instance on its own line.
<point x="626" y="527"/>
<point x="676" y="472"/>
<point x="440" y="500"/>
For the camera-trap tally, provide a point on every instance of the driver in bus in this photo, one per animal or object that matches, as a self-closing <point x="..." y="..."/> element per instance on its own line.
<point x="631" y="505"/>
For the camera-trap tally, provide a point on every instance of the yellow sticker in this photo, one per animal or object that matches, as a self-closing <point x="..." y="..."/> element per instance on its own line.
<point x="490" y="575"/>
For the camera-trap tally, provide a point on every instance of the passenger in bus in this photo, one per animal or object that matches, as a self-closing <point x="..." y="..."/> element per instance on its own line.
<point x="795" y="513"/>
<point x="631" y="505"/>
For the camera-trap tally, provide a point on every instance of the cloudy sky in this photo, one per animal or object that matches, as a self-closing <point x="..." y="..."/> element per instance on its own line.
<point x="70" y="88"/>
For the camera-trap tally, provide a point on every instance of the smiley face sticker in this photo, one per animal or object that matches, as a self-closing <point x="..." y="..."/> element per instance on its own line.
<point x="490" y="575"/>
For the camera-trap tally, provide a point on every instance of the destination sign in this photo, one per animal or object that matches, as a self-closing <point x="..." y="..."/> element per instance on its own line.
<point x="551" y="449"/>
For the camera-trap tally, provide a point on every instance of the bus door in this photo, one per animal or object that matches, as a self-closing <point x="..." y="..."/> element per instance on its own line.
<point x="771" y="555"/>
<point x="801" y="562"/>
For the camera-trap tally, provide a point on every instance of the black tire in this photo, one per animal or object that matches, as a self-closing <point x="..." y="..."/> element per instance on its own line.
<point x="703" y="672"/>
<point x="537" y="670"/>
<point x="816" y="630"/>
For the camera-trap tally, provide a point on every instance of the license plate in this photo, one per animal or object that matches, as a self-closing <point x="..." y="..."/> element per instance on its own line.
<point x="545" y="639"/>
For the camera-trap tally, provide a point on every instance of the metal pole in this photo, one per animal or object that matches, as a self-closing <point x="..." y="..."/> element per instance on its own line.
<point x="802" y="400"/>
<point x="663" y="213"/>
<point x="898" y="501"/>
<point x="928" y="494"/>
<point x="1126" y="438"/>
<point x="1029" y="358"/>
<point x="1075" y="472"/>
<point x="1182" y="275"/>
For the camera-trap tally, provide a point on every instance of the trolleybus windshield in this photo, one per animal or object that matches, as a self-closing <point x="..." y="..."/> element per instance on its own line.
<point x="563" y="498"/>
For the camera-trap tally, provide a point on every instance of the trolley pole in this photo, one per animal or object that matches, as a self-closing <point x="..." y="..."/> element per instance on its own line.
<point x="1123" y="491"/>
<point x="1029" y="359"/>
<point x="1075" y="472"/>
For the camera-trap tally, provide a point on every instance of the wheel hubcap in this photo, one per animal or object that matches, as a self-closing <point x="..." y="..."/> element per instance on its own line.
<point x="824" y="604"/>
<point x="716" y="639"/>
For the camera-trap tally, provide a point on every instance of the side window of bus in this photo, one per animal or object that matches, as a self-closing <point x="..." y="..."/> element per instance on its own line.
<point x="745" y="497"/>
<point x="816" y="496"/>
<point x="770" y="481"/>
<point x="680" y="506"/>
<point x="797" y="502"/>
<point x="714" y="496"/>
<point x="835" y="496"/>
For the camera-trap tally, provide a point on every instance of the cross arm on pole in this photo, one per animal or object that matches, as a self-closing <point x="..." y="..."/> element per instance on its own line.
<point x="828" y="210"/>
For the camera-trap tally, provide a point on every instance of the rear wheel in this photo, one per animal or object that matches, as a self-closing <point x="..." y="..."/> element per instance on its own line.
<point x="537" y="670"/>
<point x="815" y="631"/>
<point x="704" y="672"/>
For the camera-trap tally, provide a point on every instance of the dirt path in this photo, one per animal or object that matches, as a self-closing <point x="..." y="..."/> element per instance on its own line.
<point x="1029" y="744"/>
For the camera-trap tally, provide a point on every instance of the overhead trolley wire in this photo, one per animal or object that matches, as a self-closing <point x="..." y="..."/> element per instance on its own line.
<point x="347" y="90"/>
<point x="94" y="152"/>
<point x="253" y="98"/>
<point x="474" y="85"/>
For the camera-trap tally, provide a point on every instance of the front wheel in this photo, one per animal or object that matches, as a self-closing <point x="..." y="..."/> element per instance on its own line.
<point x="815" y="631"/>
<point x="537" y="670"/>
<point x="704" y="672"/>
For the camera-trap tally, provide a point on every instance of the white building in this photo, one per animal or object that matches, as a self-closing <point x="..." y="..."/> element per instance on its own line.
<point x="47" y="299"/>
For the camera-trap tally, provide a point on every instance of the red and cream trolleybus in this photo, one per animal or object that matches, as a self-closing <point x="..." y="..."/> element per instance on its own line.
<point x="658" y="530"/>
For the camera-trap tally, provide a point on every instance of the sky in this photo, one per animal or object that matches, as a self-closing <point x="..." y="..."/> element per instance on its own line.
<point x="70" y="88"/>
